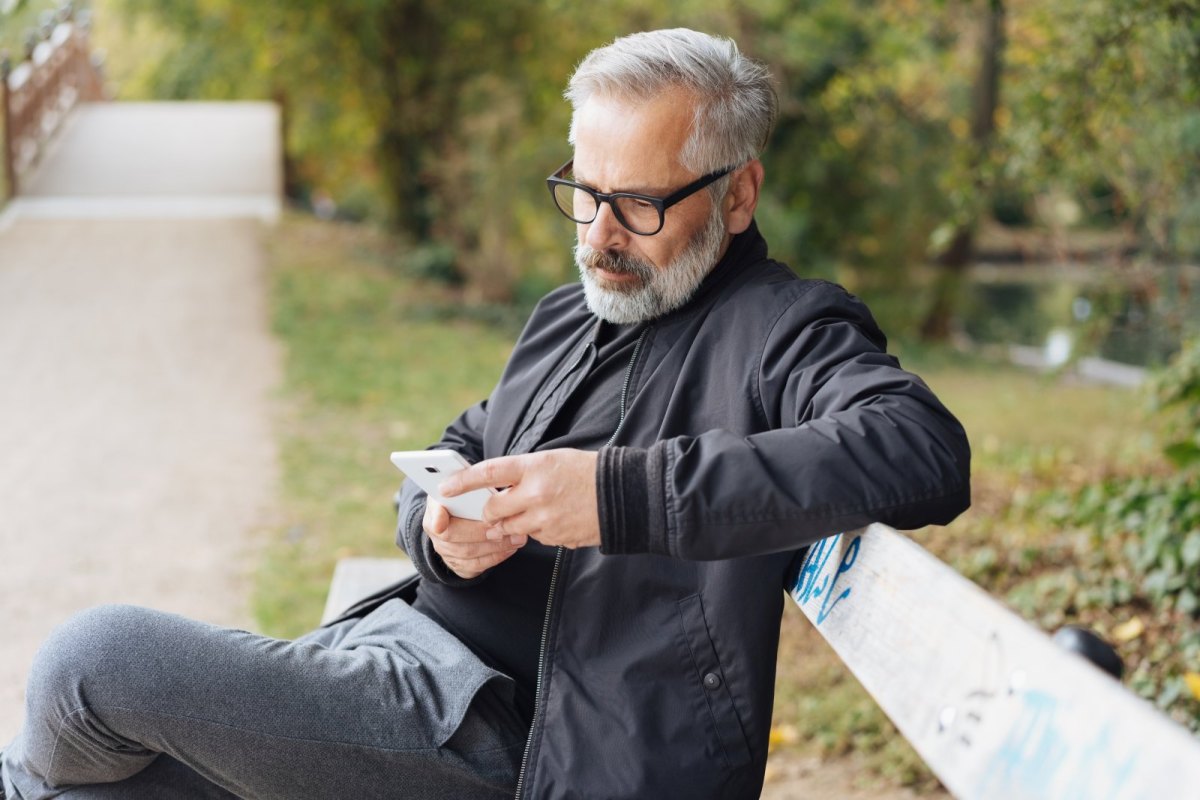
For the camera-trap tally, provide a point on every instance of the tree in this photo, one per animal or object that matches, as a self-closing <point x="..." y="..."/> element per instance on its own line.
<point x="956" y="256"/>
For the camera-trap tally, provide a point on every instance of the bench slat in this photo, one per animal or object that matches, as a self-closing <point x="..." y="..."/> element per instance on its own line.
<point x="355" y="578"/>
<point x="994" y="707"/>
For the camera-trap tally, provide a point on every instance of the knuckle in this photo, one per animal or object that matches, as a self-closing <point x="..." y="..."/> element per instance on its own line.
<point x="490" y="469"/>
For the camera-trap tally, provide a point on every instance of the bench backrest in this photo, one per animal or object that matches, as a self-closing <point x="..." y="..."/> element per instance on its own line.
<point x="994" y="707"/>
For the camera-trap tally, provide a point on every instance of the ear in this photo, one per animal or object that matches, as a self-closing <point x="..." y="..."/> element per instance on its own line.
<point x="742" y="198"/>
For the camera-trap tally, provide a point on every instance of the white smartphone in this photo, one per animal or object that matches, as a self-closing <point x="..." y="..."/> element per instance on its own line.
<point x="428" y="468"/>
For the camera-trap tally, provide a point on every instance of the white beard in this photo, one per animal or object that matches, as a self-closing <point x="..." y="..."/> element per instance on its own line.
<point x="657" y="291"/>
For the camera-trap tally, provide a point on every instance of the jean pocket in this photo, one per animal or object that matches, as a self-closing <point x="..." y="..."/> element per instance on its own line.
<point x="492" y="720"/>
<point x="709" y="678"/>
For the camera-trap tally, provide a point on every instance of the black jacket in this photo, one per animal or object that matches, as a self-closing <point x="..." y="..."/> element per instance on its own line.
<point x="760" y="417"/>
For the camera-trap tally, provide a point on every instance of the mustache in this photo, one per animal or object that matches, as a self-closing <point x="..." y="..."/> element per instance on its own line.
<point x="619" y="263"/>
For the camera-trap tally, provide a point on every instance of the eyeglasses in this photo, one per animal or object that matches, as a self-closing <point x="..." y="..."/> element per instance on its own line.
<point x="639" y="213"/>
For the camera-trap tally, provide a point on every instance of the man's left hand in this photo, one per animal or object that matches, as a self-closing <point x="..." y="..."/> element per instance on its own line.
<point x="551" y="496"/>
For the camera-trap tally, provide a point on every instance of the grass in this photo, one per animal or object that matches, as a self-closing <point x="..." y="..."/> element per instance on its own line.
<point x="362" y="379"/>
<point x="378" y="361"/>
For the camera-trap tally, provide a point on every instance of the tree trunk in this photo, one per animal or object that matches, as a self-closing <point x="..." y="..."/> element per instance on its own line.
<point x="414" y="116"/>
<point x="952" y="263"/>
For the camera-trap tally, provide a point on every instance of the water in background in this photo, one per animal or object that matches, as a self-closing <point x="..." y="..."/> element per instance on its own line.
<point x="1138" y="319"/>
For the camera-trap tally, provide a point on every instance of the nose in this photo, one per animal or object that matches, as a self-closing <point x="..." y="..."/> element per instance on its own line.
<point x="604" y="232"/>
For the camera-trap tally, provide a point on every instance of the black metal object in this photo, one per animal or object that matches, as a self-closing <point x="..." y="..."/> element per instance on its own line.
<point x="1084" y="642"/>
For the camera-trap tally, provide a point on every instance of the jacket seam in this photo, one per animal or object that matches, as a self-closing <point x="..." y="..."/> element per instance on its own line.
<point x="759" y="405"/>
<point x="708" y="702"/>
<point x="672" y="521"/>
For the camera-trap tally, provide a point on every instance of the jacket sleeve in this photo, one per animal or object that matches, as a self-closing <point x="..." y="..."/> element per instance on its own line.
<point x="852" y="439"/>
<point x="465" y="435"/>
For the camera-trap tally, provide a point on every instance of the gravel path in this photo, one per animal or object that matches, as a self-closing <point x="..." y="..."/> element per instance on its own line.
<point x="136" y="449"/>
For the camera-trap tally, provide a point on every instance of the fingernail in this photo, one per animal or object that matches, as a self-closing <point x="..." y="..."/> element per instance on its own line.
<point x="518" y="540"/>
<point x="495" y="534"/>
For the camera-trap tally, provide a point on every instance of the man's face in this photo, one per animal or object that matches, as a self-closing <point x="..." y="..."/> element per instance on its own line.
<point x="619" y="147"/>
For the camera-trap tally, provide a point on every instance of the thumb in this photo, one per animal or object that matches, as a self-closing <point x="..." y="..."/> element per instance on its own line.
<point x="437" y="518"/>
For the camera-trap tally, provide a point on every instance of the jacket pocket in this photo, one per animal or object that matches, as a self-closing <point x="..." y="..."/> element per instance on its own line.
<point x="709" y="678"/>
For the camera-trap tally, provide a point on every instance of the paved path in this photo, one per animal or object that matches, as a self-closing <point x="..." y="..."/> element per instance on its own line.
<point x="136" y="369"/>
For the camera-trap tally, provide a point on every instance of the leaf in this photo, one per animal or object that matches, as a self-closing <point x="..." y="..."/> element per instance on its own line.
<point x="1190" y="551"/>
<point x="1187" y="602"/>
<point x="1129" y="630"/>
<point x="1183" y="454"/>
<point x="782" y="734"/>
<point x="1192" y="679"/>
<point x="1155" y="584"/>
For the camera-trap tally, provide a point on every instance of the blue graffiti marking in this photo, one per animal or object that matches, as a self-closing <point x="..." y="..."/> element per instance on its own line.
<point x="808" y="587"/>
<point x="814" y="565"/>
<point x="1036" y="758"/>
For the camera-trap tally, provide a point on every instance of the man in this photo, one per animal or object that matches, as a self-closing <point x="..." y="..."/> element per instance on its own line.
<point x="672" y="433"/>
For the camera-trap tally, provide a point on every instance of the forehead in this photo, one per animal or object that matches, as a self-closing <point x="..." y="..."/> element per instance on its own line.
<point x="631" y="144"/>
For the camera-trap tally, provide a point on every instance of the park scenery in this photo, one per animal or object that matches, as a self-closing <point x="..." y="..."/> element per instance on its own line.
<point x="254" y="247"/>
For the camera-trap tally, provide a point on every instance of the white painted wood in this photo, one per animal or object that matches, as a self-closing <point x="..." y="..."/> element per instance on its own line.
<point x="355" y="578"/>
<point x="1101" y="370"/>
<point x="994" y="707"/>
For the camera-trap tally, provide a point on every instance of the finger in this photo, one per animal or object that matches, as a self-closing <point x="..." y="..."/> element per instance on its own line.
<point x="465" y="550"/>
<point x="503" y="471"/>
<point x="518" y="525"/>
<point x="460" y="530"/>
<point x="436" y="518"/>
<point x="472" y="567"/>
<point x="503" y="505"/>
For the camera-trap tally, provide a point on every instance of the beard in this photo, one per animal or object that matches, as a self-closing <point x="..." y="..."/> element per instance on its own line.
<point x="656" y="291"/>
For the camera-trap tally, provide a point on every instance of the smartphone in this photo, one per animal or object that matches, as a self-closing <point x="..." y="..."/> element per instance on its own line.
<point x="428" y="468"/>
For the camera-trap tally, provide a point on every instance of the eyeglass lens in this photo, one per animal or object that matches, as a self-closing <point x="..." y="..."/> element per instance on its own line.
<point x="637" y="215"/>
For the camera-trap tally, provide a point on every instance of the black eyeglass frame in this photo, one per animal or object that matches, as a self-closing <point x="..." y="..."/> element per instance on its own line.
<point x="660" y="203"/>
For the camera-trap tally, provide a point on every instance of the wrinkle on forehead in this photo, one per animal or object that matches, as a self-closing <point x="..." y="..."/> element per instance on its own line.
<point x="632" y="144"/>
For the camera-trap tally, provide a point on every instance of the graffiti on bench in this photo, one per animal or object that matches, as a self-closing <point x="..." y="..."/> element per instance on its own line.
<point x="815" y="586"/>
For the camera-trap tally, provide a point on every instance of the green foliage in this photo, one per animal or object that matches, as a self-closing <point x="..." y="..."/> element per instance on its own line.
<point x="434" y="262"/>
<point x="867" y="93"/>
<point x="1107" y="92"/>
<point x="1159" y="521"/>
<point x="1157" y="517"/>
<point x="445" y="117"/>
<point x="19" y="21"/>
<point x="1142" y="546"/>
<point x="1177" y="396"/>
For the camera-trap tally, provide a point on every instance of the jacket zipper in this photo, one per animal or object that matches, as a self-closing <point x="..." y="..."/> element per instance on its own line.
<point x="558" y="558"/>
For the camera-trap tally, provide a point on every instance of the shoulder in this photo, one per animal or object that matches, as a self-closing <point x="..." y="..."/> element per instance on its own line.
<point x="785" y="303"/>
<point x="556" y="315"/>
<point x="565" y="298"/>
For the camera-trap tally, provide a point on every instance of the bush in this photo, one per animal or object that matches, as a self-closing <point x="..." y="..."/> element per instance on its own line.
<point x="1145" y="537"/>
<point x="1177" y="395"/>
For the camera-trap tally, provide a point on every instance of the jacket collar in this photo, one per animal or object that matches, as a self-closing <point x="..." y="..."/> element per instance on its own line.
<point x="745" y="248"/>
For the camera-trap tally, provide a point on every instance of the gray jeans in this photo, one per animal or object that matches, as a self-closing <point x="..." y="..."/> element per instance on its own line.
<point x="126" y="702"/>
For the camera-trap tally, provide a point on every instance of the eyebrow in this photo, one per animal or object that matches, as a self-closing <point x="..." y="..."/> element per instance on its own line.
<point x="649" y="191"/>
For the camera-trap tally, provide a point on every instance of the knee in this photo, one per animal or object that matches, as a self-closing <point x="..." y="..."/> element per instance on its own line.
<point x="90" y="647"/>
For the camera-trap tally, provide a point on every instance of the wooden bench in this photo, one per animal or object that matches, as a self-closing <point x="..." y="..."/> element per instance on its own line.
<point x="997" y="709"/>
<point x="356" y="578"/>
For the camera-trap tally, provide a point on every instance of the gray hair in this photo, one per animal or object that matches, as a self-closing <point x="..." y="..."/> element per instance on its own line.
<point x="736" y="104"/>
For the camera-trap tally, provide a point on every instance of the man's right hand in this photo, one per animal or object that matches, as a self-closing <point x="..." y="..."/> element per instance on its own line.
<point x="462" y="543"/>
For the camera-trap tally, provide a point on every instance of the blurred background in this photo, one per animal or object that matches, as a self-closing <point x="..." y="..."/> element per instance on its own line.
<point x="1012" y="185"/>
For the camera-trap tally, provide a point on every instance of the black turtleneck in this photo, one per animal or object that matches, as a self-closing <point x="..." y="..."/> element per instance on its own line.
<point x="500" y="618"/>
